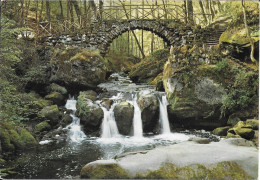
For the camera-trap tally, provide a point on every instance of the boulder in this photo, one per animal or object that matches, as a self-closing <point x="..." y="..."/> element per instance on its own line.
<point x="253" y="123"/>
<point x="103" y="169"/>
<point x="57" y="88"/>
<point x="92" y="95"/>
<point x="124" y="113"/>
<point x="78" y="68"/>
<point x="56" y="98"/>
<point x="66" y="120"/>
<point x="149" y="106"/>
<point x="42" y="126"/>
<point x="221" y="131"/>
<point x="107" y="103"/>
<point x="256" y="138"/>
<point x="15" y="138"/>
<point x="90" y="113"/>
<point x="51" y="113"/>
<point x="246" y="133"/>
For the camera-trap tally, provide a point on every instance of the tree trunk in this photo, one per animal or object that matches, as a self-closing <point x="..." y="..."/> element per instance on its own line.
<point x="185" y="12"/>
<point x="22" y="14"/>
<point x="249" y="36"/>
<point x="61" y="10"/>
<point x="77" y="9"/>
<point x="93" y="7"/>
<point x="190" y="12"/>
<point x="40" y="17"/>
<point x="48" y="12"/>
<point x="211" y="10"/>
<point x="203" y="12"/>
<point x="0" y="30"/>
<point x="101" y="3"/>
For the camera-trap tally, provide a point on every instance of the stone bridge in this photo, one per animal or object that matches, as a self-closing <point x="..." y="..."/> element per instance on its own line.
<point x="100" y="35"/>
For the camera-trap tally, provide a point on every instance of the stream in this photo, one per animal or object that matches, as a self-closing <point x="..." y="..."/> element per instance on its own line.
<point x="65" y="159"/>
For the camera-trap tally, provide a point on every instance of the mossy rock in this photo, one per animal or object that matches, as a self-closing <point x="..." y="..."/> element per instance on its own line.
<point x="242" y="124"/>
<point x="221" y="170"/>
<point x="56" y="98"/>
<point x="43" y="126"/>
<point x="221" y="131"/>
<point x="254" y="123"/>
<point x="246" y="133"/>
<point x="90" y="94"/>
<point x="99" y="170"/>
<point x="15" y="138"/>
<point x="51" y="113"/>
<point x="56" y="88"/>
<point x="233" y="120"/>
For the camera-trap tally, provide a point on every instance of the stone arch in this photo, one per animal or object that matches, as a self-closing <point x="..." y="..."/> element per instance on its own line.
<point x="118" y="28"/>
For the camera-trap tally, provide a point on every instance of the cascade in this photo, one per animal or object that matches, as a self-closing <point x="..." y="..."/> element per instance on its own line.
<point x="75" y="133"/>
<point x="164" y="120"/>
<point x="109" y="127"/>
<point x="137" y="119"/>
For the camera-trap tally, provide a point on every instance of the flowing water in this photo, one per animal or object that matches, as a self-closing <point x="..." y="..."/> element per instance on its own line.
<point x="65" y="160"/>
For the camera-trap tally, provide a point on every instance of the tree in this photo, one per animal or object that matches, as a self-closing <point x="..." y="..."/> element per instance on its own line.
<point x="77" y="9"/>
<point x="0" y="29"/>
<point x="249" y="36"/>
<point x="203" y="12"/>
<point x="48" y="12"/>
<point x="190" y="12"/>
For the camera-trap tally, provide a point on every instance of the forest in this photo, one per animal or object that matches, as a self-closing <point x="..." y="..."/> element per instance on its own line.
<point x="129" y="89"/>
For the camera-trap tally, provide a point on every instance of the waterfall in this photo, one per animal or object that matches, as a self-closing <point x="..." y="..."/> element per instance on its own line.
<point x="137" y="119"/>
<point x="109" y="127"/>
<point x="164" y="120"/>
<point x="75" y="133"/>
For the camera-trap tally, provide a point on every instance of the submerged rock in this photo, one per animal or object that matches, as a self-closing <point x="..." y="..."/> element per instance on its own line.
<point x="149" y="106"/>
<point x="124" y="113"/>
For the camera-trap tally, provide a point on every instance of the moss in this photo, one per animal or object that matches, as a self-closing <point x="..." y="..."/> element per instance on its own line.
<point x="86" y="55"/>
<point x="43" y="126"/>
<point x="106" y="171"/>
<point x="27" y="139"/>
<point x="222" y="170"/>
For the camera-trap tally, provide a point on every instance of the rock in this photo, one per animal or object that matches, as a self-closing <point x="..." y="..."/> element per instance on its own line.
<point x="256" y="138"/>
<point x="15" y="138"/>
<point x="200" y="140"/>
<point x="231" y="135"/>
<point x="149" y="106"/>
<point x="233" y="120"/>
<point x="124" y="113"/>
<point x="103" y="169"/>
<point x="221" y="131"/>
<point x="92" y="95"/>
<point x="51" y="113"/>
<point x="242" y="124"/>
<point x="43" y="126"/>
<point x="107" y="103"/>
<point x="66" y="120"/>
<point x="90" y="114"/>
<point x="240" y="142"/>
<point x="57" y="88"/>
<point x="150" y="67"/>
<point x="246" y="133"/>
<point x="78" y="68"/>
<point x="56" y="98"/>
<point x="253" y="123"/>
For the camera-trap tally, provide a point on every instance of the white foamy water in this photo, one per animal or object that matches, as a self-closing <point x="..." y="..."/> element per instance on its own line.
<point x="75" y="132"/>
<point x="109" y="126"/>
<point x="163" y="118"/>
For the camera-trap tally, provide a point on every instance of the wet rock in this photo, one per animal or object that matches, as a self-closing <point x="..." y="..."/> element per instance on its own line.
<point x="56" y="98"/>
<point x="78" y="68"/>
<point x="107" y="103"/>
<point x="200" y="140"/>
<point x="149" y="106"/>
<point x="51" y="113"/>
<point x="56" y="88"/>
<point x="43" y="126"/>
<point x="92" y="95"/>
<point x="124" y="113"/>
<point x="256" y="138"/>
<point x="221" y="131"/>
<point x="103" y="169"/>
<point x="90" y="113"/>
<point x="66" y="120"/>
